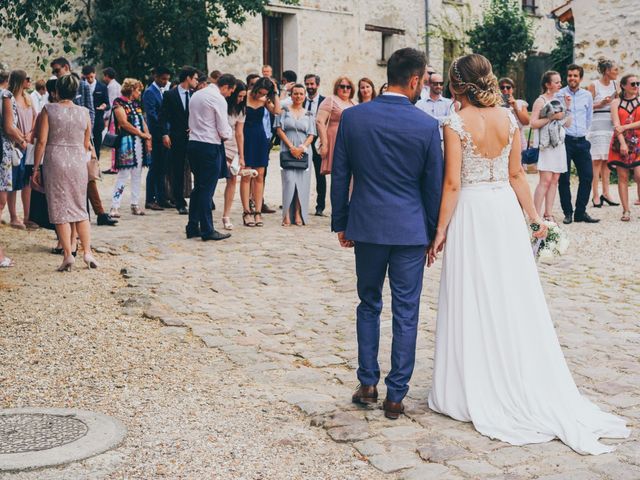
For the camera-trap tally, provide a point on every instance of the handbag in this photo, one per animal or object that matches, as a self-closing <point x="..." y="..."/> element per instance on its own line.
<point x="530" y="154"/>
<point x="110" y="140"/>
<point x="234" y="168"/>
<point x="16" y="156"/>
<point x="289" y="162"/>
<point x="93" y="165"/>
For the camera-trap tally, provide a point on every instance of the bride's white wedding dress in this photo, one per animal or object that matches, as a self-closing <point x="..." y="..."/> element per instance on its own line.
<point x="498" y="362"/>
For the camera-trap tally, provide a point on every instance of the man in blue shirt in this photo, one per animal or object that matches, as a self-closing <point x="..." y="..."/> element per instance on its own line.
<point x="578" y="148"/>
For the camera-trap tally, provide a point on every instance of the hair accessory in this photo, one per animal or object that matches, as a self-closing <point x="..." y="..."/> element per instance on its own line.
<point x="456" y="71"/>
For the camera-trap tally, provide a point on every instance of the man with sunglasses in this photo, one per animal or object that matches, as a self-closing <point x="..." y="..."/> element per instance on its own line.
<point x="424" y="94"/>
<point x="435" y="104"/>
<point x="578" y="148"/>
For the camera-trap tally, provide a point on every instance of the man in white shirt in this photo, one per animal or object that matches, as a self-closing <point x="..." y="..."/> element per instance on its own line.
<point x="113" y="91"/>
<point x="39" y="96"/>
<point x="208" y="128"/>
<point x="311" y="104"/>
<point x="435" y="104"/>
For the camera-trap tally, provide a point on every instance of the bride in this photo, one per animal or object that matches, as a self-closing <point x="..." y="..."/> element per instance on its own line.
<point x="498" y="362"/>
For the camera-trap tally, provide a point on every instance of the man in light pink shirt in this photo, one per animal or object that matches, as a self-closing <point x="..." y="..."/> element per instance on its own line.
<point x="208" y="128"/>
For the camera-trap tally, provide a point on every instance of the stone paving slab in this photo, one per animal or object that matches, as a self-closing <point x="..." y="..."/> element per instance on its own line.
<point x="280" y="304"/>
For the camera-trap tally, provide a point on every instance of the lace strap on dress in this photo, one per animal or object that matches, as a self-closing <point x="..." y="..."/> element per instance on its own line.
<point x="455" y="123"/>
<point x="513" y="124"/>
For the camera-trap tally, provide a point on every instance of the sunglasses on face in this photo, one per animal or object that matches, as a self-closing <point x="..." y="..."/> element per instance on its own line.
<point x="56" y="71"/>
<point x="634" y="84"/>
<point x="506" y="87"/>
<point x="28" y="79"/>
<point x="437" y="84"/>
<point x="345" y="87"/>
<point x="431" y="72"/>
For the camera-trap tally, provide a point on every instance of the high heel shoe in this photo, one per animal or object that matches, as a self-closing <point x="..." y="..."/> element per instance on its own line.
<point x="611" y="203"/>
<point x="67" y="263"/>
<point x="90" y="261"/>
<point x="596" y="205"/>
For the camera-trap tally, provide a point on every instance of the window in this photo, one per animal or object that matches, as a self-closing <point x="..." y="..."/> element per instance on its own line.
<point x="529" y="6"/>
<point x="272" y="42"/>
<point x="387" y="40"/>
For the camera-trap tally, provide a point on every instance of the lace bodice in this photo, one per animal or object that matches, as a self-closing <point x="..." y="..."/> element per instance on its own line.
<point x="475" y="167"/>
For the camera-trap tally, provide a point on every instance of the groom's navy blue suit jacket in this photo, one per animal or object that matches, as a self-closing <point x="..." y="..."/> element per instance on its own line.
<point x="392" y="150"/>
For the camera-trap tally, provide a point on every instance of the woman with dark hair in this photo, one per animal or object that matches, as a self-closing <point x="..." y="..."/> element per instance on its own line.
<point x="19" y="129"/>
<point x="328" y="119"/>
<point x="296" y="129"/>
<point x="518" y="107"/>
<point x="234" y="147"/>
<point x="624" y="154"/>
<point x="63" y="148"/>
<point x="497" y="360"/>
<point x="604" y="90"/>
<point x="134" y="145"/>
<point x="384" y="88"/>
<point x="366" y="90"/>
<point x="548" y="119"/>
<point x="256" y="146"/>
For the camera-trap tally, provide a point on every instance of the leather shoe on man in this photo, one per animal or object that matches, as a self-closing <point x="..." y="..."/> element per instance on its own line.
<point x="104" y="219"/>
<point x="568" y="219"/>
<point x="585" y="218"/>
<point x="153" y="206"/>
<point x="392" y="410"/>
<point x="183" y="211"/>
<point x="267" y="209"/>
<point x="319" y="212"/>
<point x="215" y="235"/>
<point x="168" y="204"/>
<point x="365" y="394"/>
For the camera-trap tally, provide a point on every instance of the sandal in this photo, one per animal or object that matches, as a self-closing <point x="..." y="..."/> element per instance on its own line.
<point x="258" y="223"/>
<point x="114" y="213"/>
<point x="6" y="262"/>
<point x="31" y="225"/>
<point x="244" y="219"/>
<point x="136" y="210"/>
<point x="626" y="216"/>
<point x="18" y="225"/>
<point x="226" y="223"/>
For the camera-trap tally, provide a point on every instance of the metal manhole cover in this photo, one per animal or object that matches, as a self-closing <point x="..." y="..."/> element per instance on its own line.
<point x="33" y="432"/>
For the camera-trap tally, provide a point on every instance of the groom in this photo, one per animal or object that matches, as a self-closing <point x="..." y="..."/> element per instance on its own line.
<point x="392" y="151"/>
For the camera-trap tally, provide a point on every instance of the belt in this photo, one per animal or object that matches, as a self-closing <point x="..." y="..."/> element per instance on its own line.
<point x="571" y="137"/>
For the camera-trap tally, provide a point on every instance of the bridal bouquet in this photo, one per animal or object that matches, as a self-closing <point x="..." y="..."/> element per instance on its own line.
<point x="555" y="244"/>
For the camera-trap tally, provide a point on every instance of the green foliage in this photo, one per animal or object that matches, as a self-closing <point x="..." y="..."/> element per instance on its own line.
<point x="132" y="36"/>
<point x="562" y="54"/>
<point x="504" y="35"/>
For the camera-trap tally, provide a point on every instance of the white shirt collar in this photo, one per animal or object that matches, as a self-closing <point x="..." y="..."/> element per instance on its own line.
<point x="394" y="94"/>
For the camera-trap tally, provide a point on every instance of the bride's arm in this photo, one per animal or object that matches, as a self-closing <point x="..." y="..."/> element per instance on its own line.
<point x="518" y="181"/>
<point x="450" y="190"/>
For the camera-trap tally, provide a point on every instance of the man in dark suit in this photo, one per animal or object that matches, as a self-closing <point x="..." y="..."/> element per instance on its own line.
<point x="313" y="101"/>
<point x="100" y="95"/>
<point x="391" y="150"/>
<point x="152" y="102"/>
<point x="174" y="119"/>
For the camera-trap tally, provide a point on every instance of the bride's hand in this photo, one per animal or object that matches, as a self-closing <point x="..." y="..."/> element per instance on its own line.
<point x="435" y="248"/>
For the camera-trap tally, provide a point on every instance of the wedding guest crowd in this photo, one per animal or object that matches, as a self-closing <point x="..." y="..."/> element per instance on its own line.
<point x="202" y="128"/>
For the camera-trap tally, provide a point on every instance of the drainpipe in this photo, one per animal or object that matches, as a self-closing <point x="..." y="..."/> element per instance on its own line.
<point x="563" y="31"/>
<point x="426" y="29"/>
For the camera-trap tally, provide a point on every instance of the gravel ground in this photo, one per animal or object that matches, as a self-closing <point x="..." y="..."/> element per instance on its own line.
<point x="78" y="340"/>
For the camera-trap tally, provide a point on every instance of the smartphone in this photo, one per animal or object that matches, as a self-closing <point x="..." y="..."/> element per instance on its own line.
<point x="505" y="99"/>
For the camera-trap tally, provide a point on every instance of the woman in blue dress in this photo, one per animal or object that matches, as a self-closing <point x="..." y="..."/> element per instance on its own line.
<point x="261" y="101"/>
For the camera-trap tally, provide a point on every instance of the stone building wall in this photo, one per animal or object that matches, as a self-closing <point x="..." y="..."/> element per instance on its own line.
<point x="329" y="38"/>
<point x="609" y="29"/>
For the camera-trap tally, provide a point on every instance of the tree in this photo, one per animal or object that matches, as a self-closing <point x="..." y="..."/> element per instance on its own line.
<point x="504" y="35"/>
<point x="131" y="35"/>
<point x="562" y="54"/>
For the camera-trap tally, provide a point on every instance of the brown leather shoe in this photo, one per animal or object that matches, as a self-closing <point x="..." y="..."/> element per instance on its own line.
<point x="392" y="410"/>
<point x="365" y="395"/>
<point x="267" y="209"/>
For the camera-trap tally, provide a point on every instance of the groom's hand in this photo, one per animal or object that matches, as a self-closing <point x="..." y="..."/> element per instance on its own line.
<point x="343" y="240"/>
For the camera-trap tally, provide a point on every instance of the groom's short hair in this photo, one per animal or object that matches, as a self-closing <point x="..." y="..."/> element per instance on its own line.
<point x="404" y="64"/>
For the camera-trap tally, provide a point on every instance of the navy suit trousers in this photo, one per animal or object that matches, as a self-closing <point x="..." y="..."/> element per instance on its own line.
<point x="205" y="160"/>
<point x="578" y="150"/>
<point x="405" y="265"/>
<point x="156" y="190"/>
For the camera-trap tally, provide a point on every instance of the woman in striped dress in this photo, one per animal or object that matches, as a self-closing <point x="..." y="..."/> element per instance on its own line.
<point x="603" y="90"/>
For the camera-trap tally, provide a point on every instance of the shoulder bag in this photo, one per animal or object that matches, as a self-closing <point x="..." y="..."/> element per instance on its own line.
<point x="110" y="140"/>
<point x="290" y="162"/>
<point x="530" y="154"/>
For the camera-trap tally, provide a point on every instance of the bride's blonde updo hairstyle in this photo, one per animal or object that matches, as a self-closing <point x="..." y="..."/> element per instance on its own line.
<point x="472" y="76"/>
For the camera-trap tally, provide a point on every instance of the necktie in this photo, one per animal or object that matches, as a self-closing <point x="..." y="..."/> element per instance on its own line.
<point x="309" y="103"/>
<point x="186" y="102"/>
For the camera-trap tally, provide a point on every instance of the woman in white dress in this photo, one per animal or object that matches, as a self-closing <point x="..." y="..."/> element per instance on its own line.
<point x="604" y="91"/>
<point x="498" y="362"/>
<point x="549" y="138"/>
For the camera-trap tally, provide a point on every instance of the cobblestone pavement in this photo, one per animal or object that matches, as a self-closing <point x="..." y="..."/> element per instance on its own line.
<point x="279" y="304"/>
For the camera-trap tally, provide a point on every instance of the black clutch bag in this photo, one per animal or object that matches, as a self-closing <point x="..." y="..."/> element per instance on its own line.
<point x="110" y="140"/>
<point x="289" y="162"/>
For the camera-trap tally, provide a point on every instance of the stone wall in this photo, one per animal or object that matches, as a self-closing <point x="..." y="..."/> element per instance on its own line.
<point x="329" y="39"/>
<point x="609" y="29"/>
